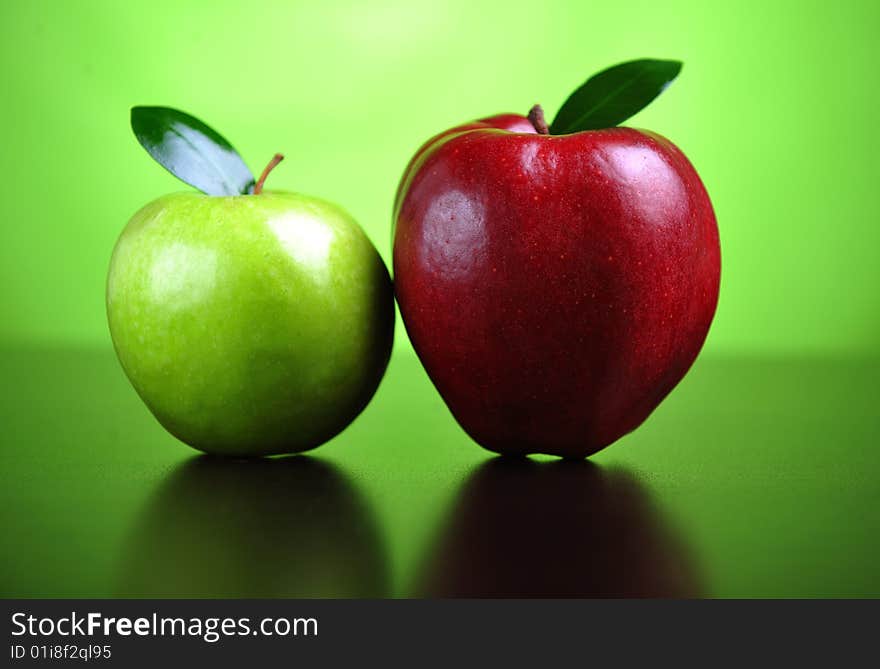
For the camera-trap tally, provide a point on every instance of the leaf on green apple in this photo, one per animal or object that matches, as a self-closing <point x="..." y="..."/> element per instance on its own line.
<point x="191" y="151"/>
<point x="610" y="97"/>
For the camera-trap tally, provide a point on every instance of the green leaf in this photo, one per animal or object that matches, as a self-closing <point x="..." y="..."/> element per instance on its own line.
<point x="613" y="95"/>
<point x="191" y="151"/>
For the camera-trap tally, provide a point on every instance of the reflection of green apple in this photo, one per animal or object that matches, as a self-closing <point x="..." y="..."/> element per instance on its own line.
<point x="281" y="527"/>
<point x="251" y="324"/>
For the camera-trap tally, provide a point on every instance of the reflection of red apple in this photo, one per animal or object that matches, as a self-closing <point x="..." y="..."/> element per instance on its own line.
<point x="520" y="528"/>
<point x="556" y="288"/>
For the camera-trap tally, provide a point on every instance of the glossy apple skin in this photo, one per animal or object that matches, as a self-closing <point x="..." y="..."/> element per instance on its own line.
<point x="555" y="288"/>
<point x="250" y="325"/>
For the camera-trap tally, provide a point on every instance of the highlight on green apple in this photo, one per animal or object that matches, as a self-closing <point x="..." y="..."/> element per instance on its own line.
<point x="250" y="321"/>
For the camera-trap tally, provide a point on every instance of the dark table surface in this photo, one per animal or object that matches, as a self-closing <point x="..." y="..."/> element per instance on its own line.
<point x="757" y="477"/>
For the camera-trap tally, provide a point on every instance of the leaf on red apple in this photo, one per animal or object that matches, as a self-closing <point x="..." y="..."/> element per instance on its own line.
<point x="193" y="152"/>
<point x="610" y="97"/>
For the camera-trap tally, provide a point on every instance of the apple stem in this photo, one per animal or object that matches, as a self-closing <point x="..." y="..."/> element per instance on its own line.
<point x="536" y="117"/>
<point x="277" y="158"/>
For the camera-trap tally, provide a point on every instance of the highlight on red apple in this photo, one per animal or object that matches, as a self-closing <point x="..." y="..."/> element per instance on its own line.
<point x="557" y="280"/>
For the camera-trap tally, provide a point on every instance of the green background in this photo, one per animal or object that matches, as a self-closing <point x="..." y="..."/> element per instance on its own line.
<point x="763" y="459"/>
<point x="776" y="107"/>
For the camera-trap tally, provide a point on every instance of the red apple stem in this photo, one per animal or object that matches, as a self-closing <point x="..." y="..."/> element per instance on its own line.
<point x="277" y="158"/>
<point x="536" y="117"/>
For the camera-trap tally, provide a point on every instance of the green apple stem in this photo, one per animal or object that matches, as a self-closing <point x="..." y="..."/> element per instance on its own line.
<point x="277" y="158"/>
<point x="536" y="117"/>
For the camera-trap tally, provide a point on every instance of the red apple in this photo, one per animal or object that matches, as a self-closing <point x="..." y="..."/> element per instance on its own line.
<point x="555" y="287"/>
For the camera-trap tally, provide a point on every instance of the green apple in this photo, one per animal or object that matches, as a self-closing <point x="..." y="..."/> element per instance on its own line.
<point x="250" y="324"/>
